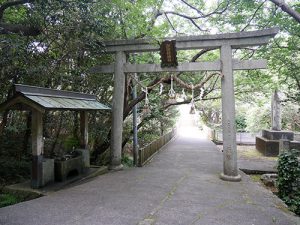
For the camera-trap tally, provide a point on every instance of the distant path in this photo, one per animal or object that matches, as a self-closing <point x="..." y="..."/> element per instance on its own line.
<point x="180" y="186"/>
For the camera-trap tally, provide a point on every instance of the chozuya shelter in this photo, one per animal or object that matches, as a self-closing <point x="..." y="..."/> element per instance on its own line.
<point x="39" y="100"/>
<point x="226" y="64"/>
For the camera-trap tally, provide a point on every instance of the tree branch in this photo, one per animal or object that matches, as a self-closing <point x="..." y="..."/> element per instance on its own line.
<point x="19" y="29"/>
<point x="203" y="15"/>
<point x="286" y="8"/>
<point x="156" y="14"/>
<point x="203" y="51"/>
<point x="171" y="24"/>
<point x="7" y="28"/>
<point x="253" y="16"/>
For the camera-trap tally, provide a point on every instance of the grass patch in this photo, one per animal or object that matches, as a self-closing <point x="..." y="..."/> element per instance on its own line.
<point x="9" y="197"/>
<point x="255" y="177"/>
<point x="249" y="152"/>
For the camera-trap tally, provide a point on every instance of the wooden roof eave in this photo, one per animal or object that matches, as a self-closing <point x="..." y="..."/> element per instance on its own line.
<point x="21" y="100"/>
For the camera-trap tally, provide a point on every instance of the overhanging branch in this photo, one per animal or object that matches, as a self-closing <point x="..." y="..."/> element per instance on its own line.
<point x="286" y="8"/>
<point x="19" y="29"/>
<point x="8" y="28"/>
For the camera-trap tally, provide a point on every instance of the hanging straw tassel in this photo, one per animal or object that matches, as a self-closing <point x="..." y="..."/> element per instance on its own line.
<point x="193" y="108"/>
<point x="172" y="94"/>
<point x="146" y="109"/>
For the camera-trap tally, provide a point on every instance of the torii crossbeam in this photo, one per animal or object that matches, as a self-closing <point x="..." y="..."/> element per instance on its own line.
<point x="224" y="42"/>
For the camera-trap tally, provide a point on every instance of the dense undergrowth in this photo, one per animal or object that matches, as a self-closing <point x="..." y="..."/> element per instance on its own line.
<point x="289" y="179"/>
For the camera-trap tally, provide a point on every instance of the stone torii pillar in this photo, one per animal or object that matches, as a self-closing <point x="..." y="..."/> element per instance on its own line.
<point x="117" y="113"/>
<point x="230" y="170"/>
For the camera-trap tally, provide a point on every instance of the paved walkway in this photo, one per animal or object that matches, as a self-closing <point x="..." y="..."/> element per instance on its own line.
<point x="180" y="186"/>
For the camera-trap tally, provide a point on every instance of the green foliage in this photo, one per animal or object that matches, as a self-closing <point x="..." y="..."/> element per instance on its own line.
<point x="13" y="170"/>
<point x="127" y="161"/>
<point x="71" y="43"/>
<point x="70" y="143"/>
<point x="8" y="199"/>
<point x="258" y="118"/>
<point x="147" y="136"/>
<point x="240" y="122"/>
<point x="289" y="179"/>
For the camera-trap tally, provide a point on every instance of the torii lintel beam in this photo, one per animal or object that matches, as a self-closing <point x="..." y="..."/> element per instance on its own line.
<point x="235" y="40"/>
<point x="184" y="67"/>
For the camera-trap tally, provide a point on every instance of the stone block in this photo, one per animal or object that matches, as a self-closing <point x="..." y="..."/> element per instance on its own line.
<point x="295" y="145"/>
<point x="284" y="145"/>
<point x="267" y="147"/>
<point x="277" y="135"/>
<point x="48" y="171"/>
<point x="85" y="153"/>
<point x="269" y="179"/>
<point x="63" y="169"/>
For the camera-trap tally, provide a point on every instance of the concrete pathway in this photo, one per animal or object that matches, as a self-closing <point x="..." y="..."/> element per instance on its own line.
<point x="180" y="186"/>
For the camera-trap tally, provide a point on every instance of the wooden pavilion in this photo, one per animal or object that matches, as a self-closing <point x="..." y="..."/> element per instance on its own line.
<point x="38" y="100"/>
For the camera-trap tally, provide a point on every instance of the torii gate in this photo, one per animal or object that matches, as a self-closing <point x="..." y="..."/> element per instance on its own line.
<point x="226" y="64"/>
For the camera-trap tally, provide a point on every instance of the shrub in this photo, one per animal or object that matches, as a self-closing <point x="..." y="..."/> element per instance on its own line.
<point x="70" y="143"/>
<point x="13" y="171"/>
<point x="127" y="161"/>
<point x="288" y="181"/>
<point x="240" y="122"/>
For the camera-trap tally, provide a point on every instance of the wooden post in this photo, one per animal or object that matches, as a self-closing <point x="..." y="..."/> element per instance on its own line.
<point x="135" y="128"/>
<point x="84" y="133"/>
<point x="230" y="170"/>
<point x="117" y="112"/>
<point x="37" y="148"/>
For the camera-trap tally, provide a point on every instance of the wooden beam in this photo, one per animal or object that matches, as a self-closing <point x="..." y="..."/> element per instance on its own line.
<point x="184" y="67"/>
<point x="84" y="132"/>
<point x="235" y="40"/>
<point x="37" y="145"/>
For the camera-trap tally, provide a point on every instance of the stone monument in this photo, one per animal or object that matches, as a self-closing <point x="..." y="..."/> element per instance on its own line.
<point x="268" y="144"/>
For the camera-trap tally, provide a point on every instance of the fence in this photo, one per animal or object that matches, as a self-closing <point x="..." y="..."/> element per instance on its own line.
<point x="146" y="153"/>
<point x="241" y="138"/>
<point x="296" y="136"/>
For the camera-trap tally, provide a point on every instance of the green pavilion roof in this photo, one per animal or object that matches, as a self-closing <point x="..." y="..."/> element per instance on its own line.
<point x="50" y="99"/>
